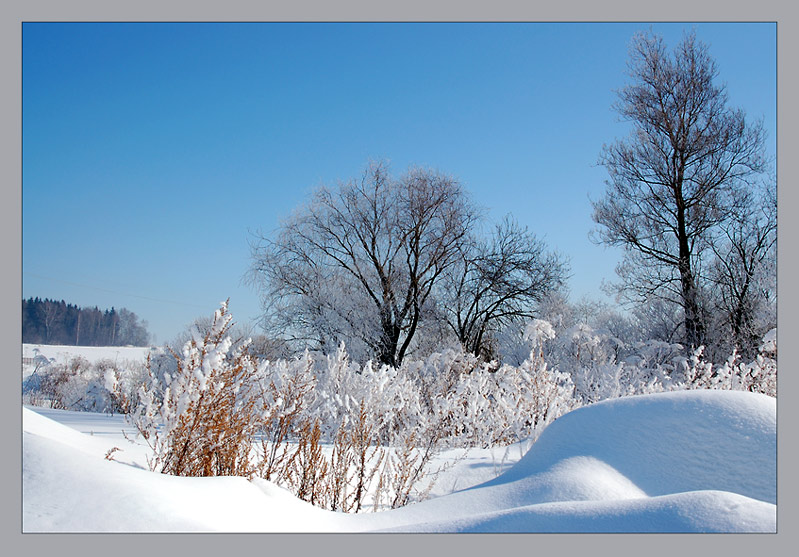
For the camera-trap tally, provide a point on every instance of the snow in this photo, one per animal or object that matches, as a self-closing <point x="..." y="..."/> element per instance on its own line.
<point x="687" y="461"/>
<point x="62" y="354"/>
<point x="91" y="353"/>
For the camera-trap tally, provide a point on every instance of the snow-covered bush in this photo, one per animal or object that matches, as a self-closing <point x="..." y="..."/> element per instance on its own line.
<point x="123" y="385"/>
<point x="487" y="404"/>
<point x="285" y="388"/>
<point x="649" y="367"/>
<point x="759" y="375"/>
<point x="48" y="384"/>
<point x="199" y="421"/>
<point x="76" y="385"/>
<point x="377" y="420"/>
<point x="763" y="371"/>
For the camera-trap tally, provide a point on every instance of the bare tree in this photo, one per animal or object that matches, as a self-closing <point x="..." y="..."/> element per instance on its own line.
<point x="671" y="181"/>
<point x="361" y="261"/>
<point x="52" y="314"/>
<point x="498" y="281"/>
<point x="743" y="272"/>
<point x="131" y="330"/>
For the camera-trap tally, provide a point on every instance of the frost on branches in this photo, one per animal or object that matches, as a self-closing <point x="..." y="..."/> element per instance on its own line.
<point x="491" y="405"/>
<point x="759" y="376"/>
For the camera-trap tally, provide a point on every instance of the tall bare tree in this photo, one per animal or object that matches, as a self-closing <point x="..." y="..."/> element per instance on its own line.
<point x="362" y="260"/>
<point x="672" y="180"/>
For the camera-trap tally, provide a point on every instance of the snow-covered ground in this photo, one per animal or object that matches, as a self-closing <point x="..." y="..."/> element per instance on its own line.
<point x="62" y="354"/>
<point x="687" y="461"/>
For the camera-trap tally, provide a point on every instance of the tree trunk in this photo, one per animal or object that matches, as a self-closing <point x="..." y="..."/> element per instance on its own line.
<point x="694" y="328"/>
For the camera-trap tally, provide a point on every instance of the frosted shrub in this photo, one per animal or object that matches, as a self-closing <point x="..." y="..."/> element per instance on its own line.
<point x="700" y="374"/>
<point x="649" y="367"/>
<point x="83" y="388"/>
<point x="54" y="385"/>
<point x="338" y="392"/>
<point x="285" y="387"/>
<point x="76" y="385"/>
<point x="437" y="376"/>
<point x="542" y="393"/>
<point x="383" y="438"/>
<point x="762" y="372"/>
<point x="123" y="385"/>
<point x="599" y="382"/>
<point x="589" y="357"/>
<point x="346" y="437"/>
<point x="759" y="376"/>
<point x="199" y="421"/>
<point x="656" y="366"/>
<point x="491" y="404"/>
<point x="593" y="369"/>
<point x="585" y="346"/>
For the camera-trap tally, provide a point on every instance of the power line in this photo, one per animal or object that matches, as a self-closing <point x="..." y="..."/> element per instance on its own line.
<point x="112" y="291"/>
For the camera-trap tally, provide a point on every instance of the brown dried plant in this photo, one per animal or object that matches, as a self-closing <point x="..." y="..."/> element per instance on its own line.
<point x="199" y="421"/>
<point x="367" y="454"/>
<point x="213" y="436"/>
<point x="409" y="463"/>
<point x="309" y="467"/>
<point x="340" y="475"/>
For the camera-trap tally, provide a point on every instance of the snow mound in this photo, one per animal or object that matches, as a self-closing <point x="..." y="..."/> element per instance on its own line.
<point x="703" y="511"/>
<point x="691" y="461"/>
<point x="669" y="442"/>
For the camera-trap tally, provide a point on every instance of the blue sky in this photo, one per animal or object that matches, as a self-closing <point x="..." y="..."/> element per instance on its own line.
<point x="152" y="152"/>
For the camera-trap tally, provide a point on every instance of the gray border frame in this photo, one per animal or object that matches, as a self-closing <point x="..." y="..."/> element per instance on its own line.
<point x="14" y="12"/>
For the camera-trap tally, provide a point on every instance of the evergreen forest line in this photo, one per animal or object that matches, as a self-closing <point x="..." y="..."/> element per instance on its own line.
<point x="57" y="322"/>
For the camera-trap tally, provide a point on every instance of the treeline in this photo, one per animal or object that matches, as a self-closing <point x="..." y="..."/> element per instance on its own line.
<point x="51" y="322"/>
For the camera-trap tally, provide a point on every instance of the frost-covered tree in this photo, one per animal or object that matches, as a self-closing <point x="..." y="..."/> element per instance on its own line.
<point x="672" y="181"/>
<point x="131" y="330"/>
<point x="397" y="266"/>
<point x="360" y="262"/>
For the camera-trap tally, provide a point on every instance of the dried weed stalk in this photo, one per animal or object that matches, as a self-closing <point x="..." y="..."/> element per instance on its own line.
<point x="309" y="467"/>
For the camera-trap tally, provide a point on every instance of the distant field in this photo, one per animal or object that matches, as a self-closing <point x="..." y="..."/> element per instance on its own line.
<point x="62" y="354"/>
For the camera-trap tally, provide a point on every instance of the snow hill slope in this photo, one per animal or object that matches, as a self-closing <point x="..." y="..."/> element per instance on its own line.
<point x="689" y="461"/>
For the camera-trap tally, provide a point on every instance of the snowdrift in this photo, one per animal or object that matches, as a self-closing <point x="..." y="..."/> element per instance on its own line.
<point x="689" y="461"/>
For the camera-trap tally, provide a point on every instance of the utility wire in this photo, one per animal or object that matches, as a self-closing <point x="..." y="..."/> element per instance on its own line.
<point x="112" y="291"/>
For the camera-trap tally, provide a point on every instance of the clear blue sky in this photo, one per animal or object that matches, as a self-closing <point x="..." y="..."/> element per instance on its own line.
<point x="152" y="151"/>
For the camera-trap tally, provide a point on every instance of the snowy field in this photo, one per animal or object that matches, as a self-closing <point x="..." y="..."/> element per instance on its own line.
<point x="686" y="461"/>
<point x="62" y="354"/>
